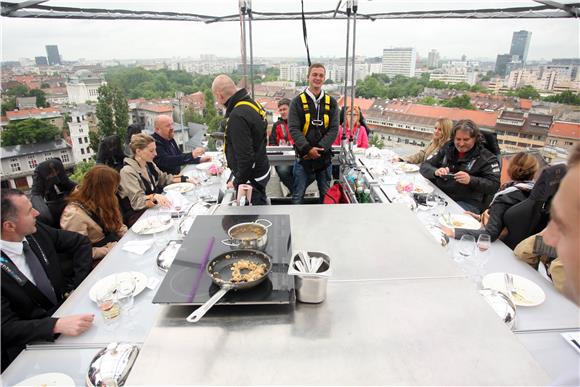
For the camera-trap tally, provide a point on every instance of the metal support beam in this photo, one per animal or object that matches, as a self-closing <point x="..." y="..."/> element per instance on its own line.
<point x="564" y="7"/>
<point x="8" y="9"/>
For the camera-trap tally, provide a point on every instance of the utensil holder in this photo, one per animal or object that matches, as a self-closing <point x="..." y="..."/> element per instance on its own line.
<point x="311" y="287"/>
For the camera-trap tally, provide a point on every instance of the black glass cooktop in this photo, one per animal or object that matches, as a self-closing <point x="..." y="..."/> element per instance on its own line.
<point x="188" y="283"/>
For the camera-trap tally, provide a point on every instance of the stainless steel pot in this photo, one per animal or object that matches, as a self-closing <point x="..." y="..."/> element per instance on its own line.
<point x="250" y="235"/>
<point x="111" y="366"/>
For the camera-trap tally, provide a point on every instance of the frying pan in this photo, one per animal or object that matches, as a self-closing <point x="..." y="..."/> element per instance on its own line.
<point x="222" y="265"/>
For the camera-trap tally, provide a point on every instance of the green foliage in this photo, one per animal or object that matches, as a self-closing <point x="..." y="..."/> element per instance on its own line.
<point x="9" y="99"/>
<point x="527" y="91"/>
<point x="94" y="141"/>
<point x="8" y="104"/>
<point x="380" y="85"/>
<point x="40" y="97"/>
<point x="81" y="170"/>
<point x="429" y="100"/>
<point x="566" y="97"/>
<point x="461" y="101"/>
<point x="190" y="116"/>
<point x="17" y="91"/>
<point x="478" y="89"/>
<point x="29" y="131"/>
<point x="44" y="85"/>
<point x="376" y="141"/>
<point x="112" y="111"/>
<point x="271" y="74"/>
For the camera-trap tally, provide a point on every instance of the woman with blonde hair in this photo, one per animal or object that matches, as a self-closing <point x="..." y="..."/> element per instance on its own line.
<point x="93" y="210"/>
<point x="522" y="169"/>
<point x="441" y="135"/>
<point x="358" y="131"/>
<point x="142" y="181"/>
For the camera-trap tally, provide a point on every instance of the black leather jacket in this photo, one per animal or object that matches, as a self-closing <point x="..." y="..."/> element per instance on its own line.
<point x="481" y="164"/>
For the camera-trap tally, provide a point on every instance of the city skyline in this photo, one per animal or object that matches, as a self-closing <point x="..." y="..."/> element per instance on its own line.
<point x="126" y="39"/>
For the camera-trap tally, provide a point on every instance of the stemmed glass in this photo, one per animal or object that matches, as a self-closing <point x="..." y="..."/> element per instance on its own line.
<point x="465" y="248"/>
<point x="126" y="285"/>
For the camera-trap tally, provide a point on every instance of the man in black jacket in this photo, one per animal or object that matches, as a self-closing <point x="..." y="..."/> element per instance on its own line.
<point x="169" y="158"/>
<point x="464" y="169"/>
<point x="32" y="282"/>
<point x="245" y="137"/>
<point x="313" y="122"/>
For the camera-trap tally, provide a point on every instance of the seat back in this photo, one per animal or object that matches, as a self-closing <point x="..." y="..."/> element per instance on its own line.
<point x="533" y="214"/>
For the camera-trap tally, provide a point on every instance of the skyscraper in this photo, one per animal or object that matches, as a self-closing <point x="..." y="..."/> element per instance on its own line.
<point x="520" y="44"/>
<point x="399" y="61"/>
<point x="433" y="58"/>
<point x="41" y="60"/>
<point x="52" y="55"/>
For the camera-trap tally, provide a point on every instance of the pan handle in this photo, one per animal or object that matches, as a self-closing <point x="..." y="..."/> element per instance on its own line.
<point x="265" y="221"/>
<point x="202" y="310"/>
<point x="231" y="242"/>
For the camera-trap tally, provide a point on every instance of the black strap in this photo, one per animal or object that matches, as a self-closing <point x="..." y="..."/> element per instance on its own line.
<point x="305" y="34"/>
<point x="109" y="236"/>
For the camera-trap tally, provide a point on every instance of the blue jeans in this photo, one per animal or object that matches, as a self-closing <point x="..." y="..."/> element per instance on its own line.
<point x="469" y="207"/>
<point x="285" y="174"/>
<point x="303" y="178"/>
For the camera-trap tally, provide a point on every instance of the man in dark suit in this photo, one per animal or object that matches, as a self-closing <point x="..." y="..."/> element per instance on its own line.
<point x="32" y="281"/>
<point x="169" y="158"/>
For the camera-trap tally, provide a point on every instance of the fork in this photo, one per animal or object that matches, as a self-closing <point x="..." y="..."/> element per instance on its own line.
<point x="509" y="284"/>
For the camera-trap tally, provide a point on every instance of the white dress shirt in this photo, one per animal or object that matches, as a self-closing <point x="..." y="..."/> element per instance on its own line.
<point x="14" y="251"/>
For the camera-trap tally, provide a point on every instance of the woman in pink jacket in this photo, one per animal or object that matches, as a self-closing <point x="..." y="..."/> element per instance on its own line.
<point x="359" y="132"/>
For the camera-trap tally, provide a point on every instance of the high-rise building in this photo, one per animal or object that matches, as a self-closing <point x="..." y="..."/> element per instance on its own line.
<point x="520" y="44"/>
<point x="53" y="55"/>
<point x="433" y="58"/>
<point x="399" y="61"/>
<point x="502" y="62"/>
<point x="41" y="60"/>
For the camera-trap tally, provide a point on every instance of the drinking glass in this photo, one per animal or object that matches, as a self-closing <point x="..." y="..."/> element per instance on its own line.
<point x="464" y="248"/>
<point x="126" y="285"/>
<point x="219" y="145"/>
<point x="108" y="305"/>
<point x="484" y="242"/>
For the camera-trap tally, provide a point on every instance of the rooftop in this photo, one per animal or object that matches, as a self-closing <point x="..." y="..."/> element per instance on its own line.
<point x="565" y="129"/>
<point x="40" y="113"/>
<point x="31" y="149"/>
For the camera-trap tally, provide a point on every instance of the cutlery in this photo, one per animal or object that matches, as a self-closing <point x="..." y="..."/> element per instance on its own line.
<point x="509" y="283"/>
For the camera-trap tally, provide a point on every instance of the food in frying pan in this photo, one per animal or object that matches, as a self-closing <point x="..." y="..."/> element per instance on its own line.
<point x="252" y="271"/>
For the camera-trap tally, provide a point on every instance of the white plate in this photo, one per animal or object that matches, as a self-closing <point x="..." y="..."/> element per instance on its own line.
<point x="151" y="225"/>
<point x="422" y="188"/>
<point x="179" y="187"/>
<point x="48" y="379"/>
<point x="461" y="221"/>
<point x="204" y="166"/>
<point x="109" y="282"/>
<point x="531" y="293"/>
<point x="408" y="168"/>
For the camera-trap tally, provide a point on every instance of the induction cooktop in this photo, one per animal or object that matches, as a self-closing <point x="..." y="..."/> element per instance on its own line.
<point x="188" y="283"/>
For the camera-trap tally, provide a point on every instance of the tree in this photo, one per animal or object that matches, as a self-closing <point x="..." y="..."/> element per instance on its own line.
<point x="81" y="170"/>
<point x="376" y="141"/>
<point x="461" y="101"/>
<point x="29" y="131"/>
<point x="429" y="100"/>
<point x="528" y="92"/>
<point x="566" y="97"/>
<point x="40" y="97"/>
<point x="112" y="113"/>
<point x="44" y="85"/>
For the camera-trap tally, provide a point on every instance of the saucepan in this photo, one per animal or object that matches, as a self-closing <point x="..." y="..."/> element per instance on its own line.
<point x="234" y="270"/>
<point x="249" y="235"/>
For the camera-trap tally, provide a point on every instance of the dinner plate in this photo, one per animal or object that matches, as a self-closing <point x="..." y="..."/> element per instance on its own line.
<point x="204" y="166"/>
<point x="152" y="225"/>
<point x="408" y="168"/>
<point x="48" y="379"/>
<point x="528" y="292"/>
<point x="179" y="187"/>
<point x="109" y="282"/>
<point x="422" y="188"/>
<point x="460" y="221"/>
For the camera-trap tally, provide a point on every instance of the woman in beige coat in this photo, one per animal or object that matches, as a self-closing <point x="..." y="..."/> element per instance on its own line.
<point x="141" y="181"/>
<point x="93" y="210"/>
<point x="441" y="134"/>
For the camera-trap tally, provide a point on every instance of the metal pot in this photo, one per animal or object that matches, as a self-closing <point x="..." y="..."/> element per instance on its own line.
<point x="111" y="366"/>
<point x="250" y="235"/>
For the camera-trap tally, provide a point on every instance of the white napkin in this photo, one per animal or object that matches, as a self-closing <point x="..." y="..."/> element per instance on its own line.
<point x="389" y="179"/>
<point x="138" y="247"/>
<point x="177" y="200"/>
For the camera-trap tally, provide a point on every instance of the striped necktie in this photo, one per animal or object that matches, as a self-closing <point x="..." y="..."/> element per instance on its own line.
<point x="38" y="273"/>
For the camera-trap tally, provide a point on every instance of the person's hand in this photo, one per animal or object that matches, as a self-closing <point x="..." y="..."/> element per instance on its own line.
<point x="205" y="159"/>
<point x="473" y="215"/>
<point x="462" y="177"/>
<point x="442" y="172"/>
<point x="314" y="153"/>
<point x="447" y="231"/>
<point x="162" y="200"/>
<point x="230" y="185"/>
<point x="73" y="325"/>
<point x="197" y="152"/>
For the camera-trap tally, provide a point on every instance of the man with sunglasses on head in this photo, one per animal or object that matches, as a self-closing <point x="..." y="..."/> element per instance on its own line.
<point x="313" y="124"/>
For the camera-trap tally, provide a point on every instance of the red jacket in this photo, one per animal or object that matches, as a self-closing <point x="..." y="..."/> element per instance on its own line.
<point x="280" y="131"/>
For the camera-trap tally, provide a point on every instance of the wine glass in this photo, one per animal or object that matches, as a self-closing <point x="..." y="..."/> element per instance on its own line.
<point x="204" y="141"/>
<point x="126" y="285"/>
<point x="464" y="248"/>
<point x="484" y="242"/>
<point x="219" y="145"/>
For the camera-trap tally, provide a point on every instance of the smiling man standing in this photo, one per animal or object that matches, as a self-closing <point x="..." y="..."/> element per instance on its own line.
<point x="313" y="124"/>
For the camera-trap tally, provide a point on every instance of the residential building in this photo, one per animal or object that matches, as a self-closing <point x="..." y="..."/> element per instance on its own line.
<point x="79" y="137"/>
<point x="293" y="72"/>
<point x="194" y="102"/>
<point x="51" y="115"/>
<point x="26" y="103"/>
<point x="521" y="44"/>
<point x="399" y="61"/>
<point x="145" y="113"/>
<point x="375" y="68"/>
<point x="564" y="135"/>
<point x="20" y="161"/>
<point x="363" y="103"/>
<point x="518" y="131"/>
<point x="53" y="55"/>
<point x="84" y="86"/>
<point x="433" y="59"/>
<point x="56" y="95"/>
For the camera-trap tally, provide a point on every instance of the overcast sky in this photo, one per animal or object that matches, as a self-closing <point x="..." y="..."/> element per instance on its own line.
<point x="103" y="39"/>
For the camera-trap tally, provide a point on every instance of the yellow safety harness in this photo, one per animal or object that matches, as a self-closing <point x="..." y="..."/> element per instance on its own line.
<point x="326" y="117"/>
<point x="254" y="106"/>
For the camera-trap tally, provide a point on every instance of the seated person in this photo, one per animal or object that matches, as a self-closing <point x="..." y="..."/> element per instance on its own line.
<point x="169" y="158"/>
<point x="131" y="130"/>
<point x="463" y="168"/>
<point x="441" y="134"/>
<point x="50" y="187"/>
<point x="280" y="136"/>
<point x="33" y="285"/>
<point x="521" y="170"/>
<point x="111" y="152"/>
<point x="141" y="181"/>
<point x="93" y="210"/>
<point x="359" y="131"/>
